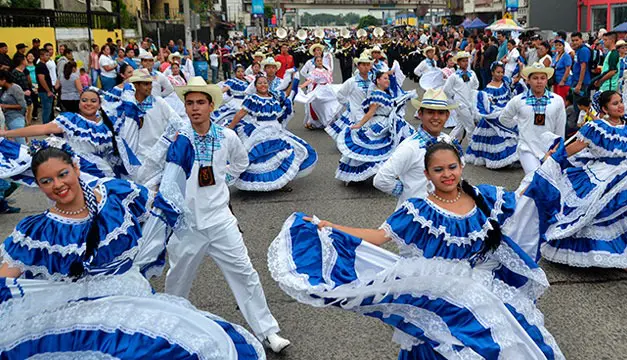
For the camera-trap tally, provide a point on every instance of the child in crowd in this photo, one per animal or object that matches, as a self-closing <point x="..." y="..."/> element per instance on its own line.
<point x="586" y="112"/>
<point x="84" y="78"/>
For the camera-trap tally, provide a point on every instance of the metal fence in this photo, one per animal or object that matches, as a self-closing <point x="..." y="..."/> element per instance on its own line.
<point x="11" y="17"/>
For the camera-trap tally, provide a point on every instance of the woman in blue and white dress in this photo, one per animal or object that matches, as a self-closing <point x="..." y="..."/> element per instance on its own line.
<point x="492" y="144"/>
<point x="369" y="142"/>
<point x="235" y="92"/>
<point x="276" y="155"/>
<point x="71" y="283"/>
<point x="462" y="288"/>
<point x="93" y="134"/>
<point x="581" y="192"/>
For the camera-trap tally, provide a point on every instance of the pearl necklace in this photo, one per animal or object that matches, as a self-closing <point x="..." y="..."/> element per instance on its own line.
<point x="459" y="195"/>
<point x="70" y="213"/>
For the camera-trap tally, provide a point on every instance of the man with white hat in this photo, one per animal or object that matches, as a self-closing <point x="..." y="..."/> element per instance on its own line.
<point x="461" y="87"/>
<point x="161" y="86"/>
<point x="428" y="64"/>
<point x="219" y="157"/>
<point x="275" y="83"/>
<point x="258" y="57"/>
<point x="352" y="94"/>
<point x="537" y="113"/>
<point x="157" y="113"/>
<point x="316" y="50"/>
<point x="402" y="175"/>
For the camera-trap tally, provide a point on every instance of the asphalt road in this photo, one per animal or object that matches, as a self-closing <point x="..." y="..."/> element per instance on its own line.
<point x="584" y="308"/>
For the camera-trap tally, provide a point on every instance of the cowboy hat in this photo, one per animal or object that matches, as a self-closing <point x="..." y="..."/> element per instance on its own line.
<point x="145" y="55"/>
<point x="198" y="84"/>
<point x="271" y="62"/>
<point x="428" y="48"/>
<point x="537" y="68"/>
<point x="259" y="54"/>
<point x="345" y="33"/>
<point x="173" y="55"/>
<point x="314" y="46"/>
<point x="375" y="48"/>
<point x="461" y="55"/>
<point x="620" y="43"/>
<point x="140" y="75"/>
<point x="363" y="58"/>
<point x="434" y="99"/>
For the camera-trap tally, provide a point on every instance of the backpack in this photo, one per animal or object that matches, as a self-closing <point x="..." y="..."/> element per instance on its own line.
<point x="595" y="59"/>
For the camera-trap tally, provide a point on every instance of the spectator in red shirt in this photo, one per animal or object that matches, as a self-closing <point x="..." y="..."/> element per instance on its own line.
<point x="225" y="53"/>
<point x="286" y="60"/>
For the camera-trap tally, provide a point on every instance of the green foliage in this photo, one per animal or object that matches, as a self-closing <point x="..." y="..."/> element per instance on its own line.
<point x="308" y="19"/>
<point x="268" y="11"/>
<point x="367" y="21"/>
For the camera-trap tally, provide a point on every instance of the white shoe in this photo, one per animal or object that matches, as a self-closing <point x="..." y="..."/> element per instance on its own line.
<point x="276" y="343"/>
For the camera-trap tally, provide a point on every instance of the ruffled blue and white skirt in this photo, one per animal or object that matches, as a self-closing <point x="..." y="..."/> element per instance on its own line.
<point x="337" y="127"/>
<point x="226" y="112"/>
<point x="276" y="156"/>
<point x="583" y="201"/>
<point x="112" y="317"/>
<point x="364" y="150"/>
<point x="439" y="308"/>
<point x="492" y="145"/>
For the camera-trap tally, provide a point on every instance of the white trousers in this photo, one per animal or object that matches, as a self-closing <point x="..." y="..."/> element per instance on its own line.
<point x="529" y="161"/>
<point x="465" y="121"/>
<point x="224" y="244"/>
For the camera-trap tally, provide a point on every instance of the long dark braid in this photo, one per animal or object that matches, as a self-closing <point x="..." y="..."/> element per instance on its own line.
<point x="108" y="123"/>
<point x="494" y="235"/>
<point x="77" y="269"/>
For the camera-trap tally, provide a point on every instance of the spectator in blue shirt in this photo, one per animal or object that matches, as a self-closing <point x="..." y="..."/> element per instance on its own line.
<point x="130" y="58"/>
<point x="562" y="63"/>
<point x="580" y="78"/>
<point x="502" y="45"/>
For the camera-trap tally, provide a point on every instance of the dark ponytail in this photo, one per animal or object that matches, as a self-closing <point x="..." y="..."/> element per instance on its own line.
<point x="109" y="124"/>
<point x="494" y="235"/>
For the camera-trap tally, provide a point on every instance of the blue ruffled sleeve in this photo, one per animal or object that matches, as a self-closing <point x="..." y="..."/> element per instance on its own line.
<point x="502" y="202"/>
<point x="378" y="97"/>
<point x="609" y="140"/>
<point x="84" y="130"/>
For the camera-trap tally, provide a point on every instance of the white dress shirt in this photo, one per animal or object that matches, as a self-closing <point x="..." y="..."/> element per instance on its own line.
<point x="156" y="121"/>
<point x="210" y="204"/>
<point x="530" y="136"/>
<point x="425" y="66"/>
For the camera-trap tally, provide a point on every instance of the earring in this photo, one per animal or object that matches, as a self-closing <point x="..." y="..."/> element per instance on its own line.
<point x="430" y="187"/>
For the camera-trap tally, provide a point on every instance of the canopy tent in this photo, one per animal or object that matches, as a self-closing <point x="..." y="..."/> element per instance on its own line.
<point x="621" y="28"/>
<point x="477" y="24"/>
<point x="505" y="25"/>
<point x="465" y="23"/>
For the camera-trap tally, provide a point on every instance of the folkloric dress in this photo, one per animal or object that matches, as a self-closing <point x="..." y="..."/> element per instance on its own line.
<point x="583" y="199"/>
<point x="111" y="311"/>
<point x="492" y="144"/>
<point x="321" y="103"/>
<point x="233" y="102"/>
<point x="351" y="95"/>
<point x="365" y="149"/>
<point x="276" y="155"/>
<point x="443" y="298"/>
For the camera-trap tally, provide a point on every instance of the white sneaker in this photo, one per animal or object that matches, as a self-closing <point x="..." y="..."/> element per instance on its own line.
<point x="276" y="343"/>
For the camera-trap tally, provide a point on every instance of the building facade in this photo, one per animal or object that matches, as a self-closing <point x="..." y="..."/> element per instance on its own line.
<point x="486" y="10"/>
<point x="593" y="15"/>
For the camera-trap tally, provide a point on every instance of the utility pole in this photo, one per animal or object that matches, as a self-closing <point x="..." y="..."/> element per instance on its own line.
<point x="188" y="25"/>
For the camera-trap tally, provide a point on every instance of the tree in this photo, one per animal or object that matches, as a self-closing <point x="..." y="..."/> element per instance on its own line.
<point x="367" y="21"/>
